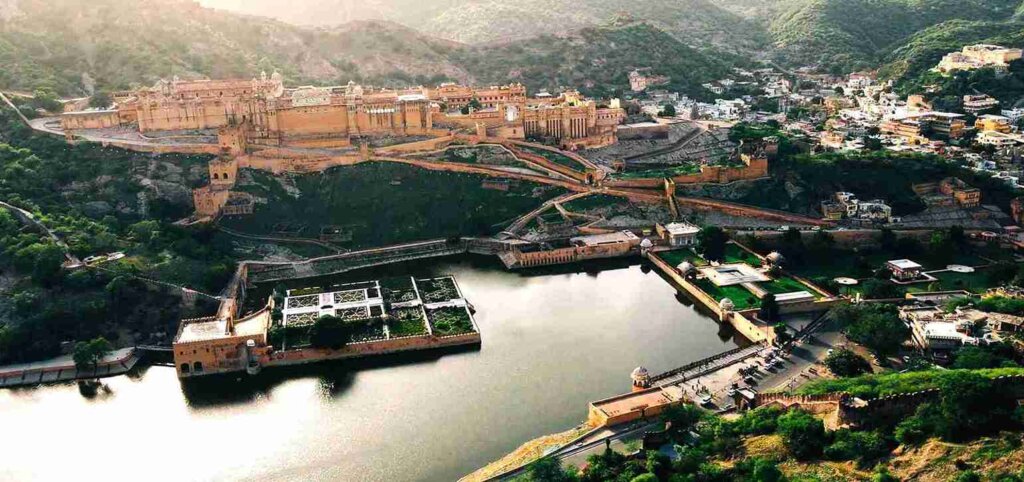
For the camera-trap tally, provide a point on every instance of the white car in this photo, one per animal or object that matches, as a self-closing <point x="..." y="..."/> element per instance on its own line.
<point x="115" y="256"/>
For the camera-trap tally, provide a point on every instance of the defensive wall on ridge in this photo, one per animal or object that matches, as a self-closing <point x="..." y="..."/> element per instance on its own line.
<point x="854" y="411"/>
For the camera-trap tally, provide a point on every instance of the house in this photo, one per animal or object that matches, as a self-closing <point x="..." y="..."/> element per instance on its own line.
<point x="976" y="104"/>
<point x="993" y="123"/>
<point x="933" y="330"/>
<point x="904" y="269"/>
<point x="678" y="234"/>
<point x="962" y="193"/>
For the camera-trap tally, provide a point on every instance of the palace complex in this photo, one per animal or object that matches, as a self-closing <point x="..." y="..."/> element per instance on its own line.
<point x="271" y="115"/>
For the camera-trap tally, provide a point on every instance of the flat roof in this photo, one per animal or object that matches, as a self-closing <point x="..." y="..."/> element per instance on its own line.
<point x="199" y="330"/>
<point x="681" y="228"/>
<point x="904" y="264"/>
<point x="633" y="401"/>
<point x="607" y="238"/>
<point x="732" y="274"/>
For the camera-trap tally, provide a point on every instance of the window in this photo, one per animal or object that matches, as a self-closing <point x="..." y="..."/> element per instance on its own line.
<point x="184" y="368"/>
<point x="197" y="367"/>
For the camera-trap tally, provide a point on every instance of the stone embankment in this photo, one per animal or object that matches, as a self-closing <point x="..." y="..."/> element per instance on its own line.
<point x="62" y="369"/>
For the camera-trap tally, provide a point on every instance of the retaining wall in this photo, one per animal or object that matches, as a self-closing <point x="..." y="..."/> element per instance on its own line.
<point x="369" y="348"/>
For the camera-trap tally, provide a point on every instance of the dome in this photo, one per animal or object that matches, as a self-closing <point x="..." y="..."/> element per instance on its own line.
<point x="640" y="377"/>
<point x="774" y="257"/>
<point x="726" y="304"/>
<point x="646" y="243"/>
<point x="685" y="268"/>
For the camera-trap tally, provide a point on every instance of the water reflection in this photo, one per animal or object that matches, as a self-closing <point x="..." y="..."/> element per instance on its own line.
<point x="553" y="340"/>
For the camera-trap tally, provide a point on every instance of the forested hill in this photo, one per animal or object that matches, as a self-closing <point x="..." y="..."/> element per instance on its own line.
<point x="847" y="35"/>
<point x="924" y="50"/>
<point x="698" y="22"/>
<point x="597" y="60"/>
<point x="70" y="47"/>
<point x="116" y="44"/>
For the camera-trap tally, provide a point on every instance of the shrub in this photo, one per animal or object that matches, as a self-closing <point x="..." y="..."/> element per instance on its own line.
<point x="803" y="434"/>
<point x="846" y="363"/>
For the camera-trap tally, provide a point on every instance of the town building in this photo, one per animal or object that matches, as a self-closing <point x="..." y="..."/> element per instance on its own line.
<point x="934" y="331"/>
<point x="993" y="123"/>
<point x="973" y="57"/>
<point x="963" y="194"/>
<point x="976" y="104"/>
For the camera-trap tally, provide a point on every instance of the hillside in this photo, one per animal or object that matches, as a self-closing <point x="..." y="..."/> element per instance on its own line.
<point x="595" y="60"/>
<point x="73" y="46"/>
<point x="697" y="22"/>
<point x="924" y="49"/>
<point x="824" y="31"/>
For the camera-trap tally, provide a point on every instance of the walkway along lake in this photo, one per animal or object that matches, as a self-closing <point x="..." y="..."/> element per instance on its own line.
<point x="553" y="340"/>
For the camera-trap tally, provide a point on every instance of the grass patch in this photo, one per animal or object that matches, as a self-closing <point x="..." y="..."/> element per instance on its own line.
<point x="658" y="173"/>
<point x="741" y="297"/>
<point x="594" y="201"/>
<point x="736" y="254"/>
<point x="555" y="157"/>
<point x="872" y="386"/>
<point x="786" y="284"/>
<point x="677" y="256"/>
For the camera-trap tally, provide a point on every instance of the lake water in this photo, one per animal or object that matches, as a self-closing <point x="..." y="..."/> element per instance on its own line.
<point x="552" y="341"/>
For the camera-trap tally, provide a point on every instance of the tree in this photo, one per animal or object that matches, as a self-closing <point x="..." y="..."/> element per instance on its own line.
<point x="711" y="240"/>
<point x="769" y="311"/>
<point x="100" y="99"/>
<point x="330" y="332"/>
<point x="846" y="363"/>
<point x="875" y="289"/>
<point x="941" y="248"/>
<point x="668" y="110"/>
<point x="803" y="434"/>
<point x="549" y="469"/>
<point x="88" y="353"/>
<point x="877" y="327"/>
<point x="882" y="475"/>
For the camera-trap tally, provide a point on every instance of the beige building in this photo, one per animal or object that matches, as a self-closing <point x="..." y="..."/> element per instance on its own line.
<point x="272" y="115"/>
<point x="978" y="56"/>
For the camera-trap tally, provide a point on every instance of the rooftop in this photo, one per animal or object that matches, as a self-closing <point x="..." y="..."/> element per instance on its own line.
<point x="904" y="264"/>
<point x="608" y="238"/>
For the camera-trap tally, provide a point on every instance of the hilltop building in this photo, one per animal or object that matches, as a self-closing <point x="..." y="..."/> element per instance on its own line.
<point x="271" y="115"/>
<point x="976" y="104"/>
<point x="978" y="56"/>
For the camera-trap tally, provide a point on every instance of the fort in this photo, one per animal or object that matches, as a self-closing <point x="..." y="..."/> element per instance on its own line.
<point x="271" y="115"/>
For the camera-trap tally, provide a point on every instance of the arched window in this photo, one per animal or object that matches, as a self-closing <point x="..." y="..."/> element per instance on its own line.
<point x="184" y="368"/>
<point x="215" y="175"/>
<point x="197" y="367"/>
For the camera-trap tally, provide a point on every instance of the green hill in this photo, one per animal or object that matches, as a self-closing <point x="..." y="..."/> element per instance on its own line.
<point x="698" y="22"/>
<point x="71" y="46"/>
<point x="846" y="35"/>
<point x="596" y="60"/>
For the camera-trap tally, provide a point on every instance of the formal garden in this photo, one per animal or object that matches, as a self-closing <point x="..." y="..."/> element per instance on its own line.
<point x="437" y="290"/>
<point x="450" y="320"/>
<point x="397" y="290"/>
<point x="403" y="322"/>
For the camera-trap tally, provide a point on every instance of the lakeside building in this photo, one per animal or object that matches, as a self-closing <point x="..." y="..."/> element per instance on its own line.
<point x="904" y="269"/>
<point x="579" y="248"/>
<point x="973" y="57"/>
<point x="678" y="235"/>
<point x="272" y="115"/>
<point x="425" y="313"/>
